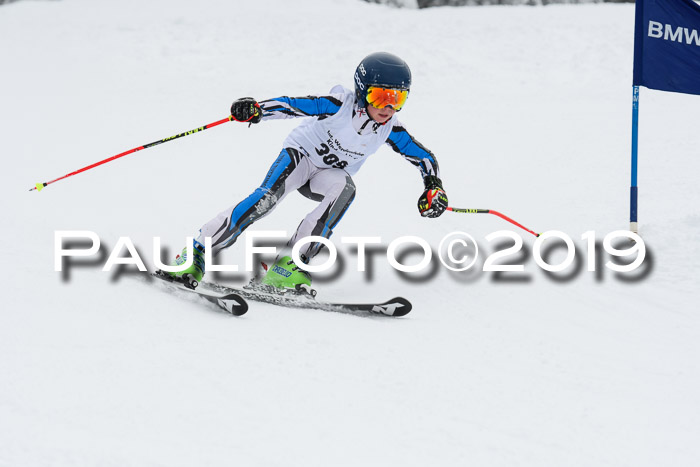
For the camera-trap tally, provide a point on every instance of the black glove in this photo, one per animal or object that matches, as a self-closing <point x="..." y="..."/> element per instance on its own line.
<point x="246" y="109"/>
<point x="433" y="201"/>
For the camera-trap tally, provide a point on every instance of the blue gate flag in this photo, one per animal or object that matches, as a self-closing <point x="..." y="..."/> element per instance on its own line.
<point x="667" y="45"/>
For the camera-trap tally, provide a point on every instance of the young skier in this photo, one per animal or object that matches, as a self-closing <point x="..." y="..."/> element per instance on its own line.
<point x="318" y="160"/>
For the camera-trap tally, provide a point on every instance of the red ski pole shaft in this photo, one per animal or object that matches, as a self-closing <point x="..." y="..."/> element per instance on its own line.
<point x="40" y="186"/>
<point x="495" y="213"/>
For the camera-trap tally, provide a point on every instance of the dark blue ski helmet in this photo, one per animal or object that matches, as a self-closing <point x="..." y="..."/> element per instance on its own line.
<point x="381" y="69"/>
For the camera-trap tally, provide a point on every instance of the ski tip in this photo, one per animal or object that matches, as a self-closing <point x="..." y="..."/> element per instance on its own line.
<point x="397" y="306"/>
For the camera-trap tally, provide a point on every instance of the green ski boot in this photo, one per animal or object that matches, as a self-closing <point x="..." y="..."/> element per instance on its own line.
<point x="286" y="275"/>
<point x="191" y="276"/>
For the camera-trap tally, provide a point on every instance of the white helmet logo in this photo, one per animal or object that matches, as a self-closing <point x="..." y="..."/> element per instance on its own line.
<point x="359" y="82"/>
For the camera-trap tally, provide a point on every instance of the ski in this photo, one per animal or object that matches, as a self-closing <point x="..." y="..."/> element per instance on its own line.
<point x="233" y="299"/>
<point x="231" y="302"/>
<point x="395" y="307"/>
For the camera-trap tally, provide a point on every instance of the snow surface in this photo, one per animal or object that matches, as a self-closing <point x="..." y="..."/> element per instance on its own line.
<point x="529" y="113"/>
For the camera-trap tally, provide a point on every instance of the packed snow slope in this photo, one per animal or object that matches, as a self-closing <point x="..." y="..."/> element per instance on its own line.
<point x="528" y="110"/>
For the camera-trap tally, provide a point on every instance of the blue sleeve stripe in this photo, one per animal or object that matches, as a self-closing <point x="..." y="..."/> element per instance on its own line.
<point x="311" y="105"/>
<point x="401" y="142"/>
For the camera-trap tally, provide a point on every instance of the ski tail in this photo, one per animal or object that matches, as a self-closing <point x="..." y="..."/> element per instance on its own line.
<point x="233" y="303"/>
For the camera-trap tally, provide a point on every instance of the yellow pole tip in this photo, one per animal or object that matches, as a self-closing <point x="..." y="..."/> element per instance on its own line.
<point x="39" y="186"/>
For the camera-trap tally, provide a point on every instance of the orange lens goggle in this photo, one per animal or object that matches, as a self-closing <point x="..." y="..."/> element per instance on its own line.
<point x="382" y="97"/>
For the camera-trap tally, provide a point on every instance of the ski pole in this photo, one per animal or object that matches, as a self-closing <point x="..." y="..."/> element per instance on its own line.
<point x="40" y="186"/>
<point x="495" y="213"/>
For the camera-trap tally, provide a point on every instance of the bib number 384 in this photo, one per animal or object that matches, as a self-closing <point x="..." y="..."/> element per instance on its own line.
<point x="329" y="158"/>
